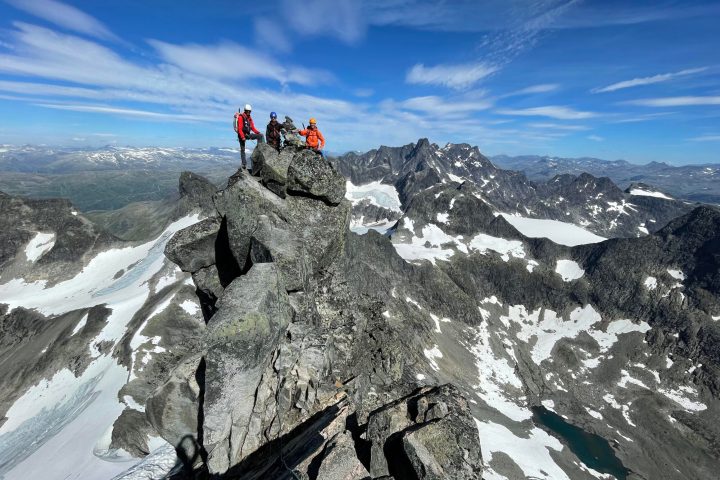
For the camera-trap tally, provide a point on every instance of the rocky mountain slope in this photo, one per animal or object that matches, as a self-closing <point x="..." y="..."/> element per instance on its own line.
<point x="692" y="182"/>
<point x="74" y="304"/>
<point x="280" y="344"/>
<point x="595" y="204"/>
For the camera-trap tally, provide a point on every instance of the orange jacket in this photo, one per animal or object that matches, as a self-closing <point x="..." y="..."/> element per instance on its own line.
<point x="313" y="136"/>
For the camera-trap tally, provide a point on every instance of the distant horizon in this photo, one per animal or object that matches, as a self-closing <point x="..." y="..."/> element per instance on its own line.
<point x="336" y="153"/>
<point x="603" y="78"/>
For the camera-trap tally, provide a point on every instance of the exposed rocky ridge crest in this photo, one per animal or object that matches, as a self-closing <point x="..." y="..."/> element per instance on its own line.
<point x="298" y="362"/>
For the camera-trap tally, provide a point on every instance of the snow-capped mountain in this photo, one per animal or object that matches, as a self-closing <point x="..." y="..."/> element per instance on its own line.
<point x="39" y="159"/>
<point x="595" y="204"/>
<point x="470" y="339"/>
<point x="691" y="182"/>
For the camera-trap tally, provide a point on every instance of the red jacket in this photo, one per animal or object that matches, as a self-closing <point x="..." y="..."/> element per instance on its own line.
<point x="245" y="125"/>
<point x="313" y="135"/>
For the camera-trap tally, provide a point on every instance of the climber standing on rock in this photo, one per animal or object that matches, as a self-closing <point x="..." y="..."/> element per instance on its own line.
<point x="314" y="140"/>
<point x="273" y="132"/>
<point x="245" y="129"/>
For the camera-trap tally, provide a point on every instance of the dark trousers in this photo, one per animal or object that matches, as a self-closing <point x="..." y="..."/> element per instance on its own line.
<point x="274" y="142"/>
<point x="250" y="136"/>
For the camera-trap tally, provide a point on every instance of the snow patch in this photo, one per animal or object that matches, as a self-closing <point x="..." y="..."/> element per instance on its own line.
<point x="569" y="270"/>
<point x="190" y="307"/>
<point x="594" y="413"/>
<point x="676" y="274"/>
<point x="80" y="325"/>
<point x="432" y="355"/>
<point x="40" y="244"/>
<point x="496" y="374"/>
<point x="648" y="193"/>
<point x="650" y="283"/>
<point x="531" y="454"/>
<point x="156" y="465"/>
<point x="505" y="248"/>
<point x="379" y="194"/>
<point x="682" y="400"/>
<point x="562" y="233"/>
<point x="429" y="246"/>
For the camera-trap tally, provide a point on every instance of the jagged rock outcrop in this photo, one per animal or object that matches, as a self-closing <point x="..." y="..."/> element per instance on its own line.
<point x="298" y="351"/>
<point x="253" y="313"/>
<point x="193" y="248"/>
<point x="272" y="167"/>
<point x="196" y="192"/>
<point x="428" y="435"/>
<point x="173" y="408"/>
<point x="310" y="175"/>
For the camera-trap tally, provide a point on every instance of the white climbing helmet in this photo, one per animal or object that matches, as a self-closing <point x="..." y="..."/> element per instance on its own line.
<point x="248" y="107"/>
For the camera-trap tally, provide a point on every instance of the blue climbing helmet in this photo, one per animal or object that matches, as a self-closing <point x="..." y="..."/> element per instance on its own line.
<point x="273" y="115"/>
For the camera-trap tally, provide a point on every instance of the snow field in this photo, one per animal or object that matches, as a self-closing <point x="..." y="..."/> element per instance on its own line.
<point x="40" y="244"/>
<point x="648" y="193"/>
<point x="64" y="420"/>
<point x="562" y="233"/>
<point x="377" y="193"/>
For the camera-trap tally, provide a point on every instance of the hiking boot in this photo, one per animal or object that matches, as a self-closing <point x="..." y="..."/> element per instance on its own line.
<point x="235" y="177"/>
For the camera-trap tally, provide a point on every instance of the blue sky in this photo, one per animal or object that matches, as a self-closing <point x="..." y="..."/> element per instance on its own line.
<point x="638" y="80"/>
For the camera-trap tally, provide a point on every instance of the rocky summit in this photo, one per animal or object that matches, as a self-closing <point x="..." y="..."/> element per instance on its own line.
<point x="304" y="375"/>
<point x="427" y="316"/>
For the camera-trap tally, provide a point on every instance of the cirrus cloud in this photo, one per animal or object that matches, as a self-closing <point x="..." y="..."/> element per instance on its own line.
<point x="551" y="111"/>
<point x="65" y="16"/>
<point x="635" y="82"/>
<point x="456" y="76"/>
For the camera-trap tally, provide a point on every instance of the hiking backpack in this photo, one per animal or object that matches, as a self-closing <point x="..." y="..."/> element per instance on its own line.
<point x="235" y="122"/>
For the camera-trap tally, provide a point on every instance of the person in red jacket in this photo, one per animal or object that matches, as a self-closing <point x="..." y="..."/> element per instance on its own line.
<point x="245" y="129"/>
<point x="314" y="140"/>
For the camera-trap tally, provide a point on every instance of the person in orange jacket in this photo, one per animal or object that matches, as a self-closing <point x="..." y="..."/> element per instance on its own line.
<point x="314" y="140"/>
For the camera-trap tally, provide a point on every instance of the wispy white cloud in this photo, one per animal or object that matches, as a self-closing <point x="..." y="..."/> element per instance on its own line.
<point x="128" y="112"/>
<point x="454" y="76"/>
<point x="65" y="16"/>
<point x="233" y="61"/>
<point x="66" y="72"/>
<point x="533" y="89"/>
<point x="551" y="111"/>
<point x="636" y="82"/>
<point x="706" y="138"/>
<point x="342" y="19"/>
<point x="363" y="92"/>
<point x="643" y="118"/>
<point x="602" y="14"/>
<point x="596" y="138"/>
<point x="499" y="47"/>
<point x="477" y="16"/>
<point x="269" y="33"/>
<point x="688" y="101"/>
<point x="558" y="126"/>
<point x="436" y="105"/>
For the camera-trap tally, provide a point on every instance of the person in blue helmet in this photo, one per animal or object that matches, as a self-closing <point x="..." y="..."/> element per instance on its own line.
<point x="273" y="132"/>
